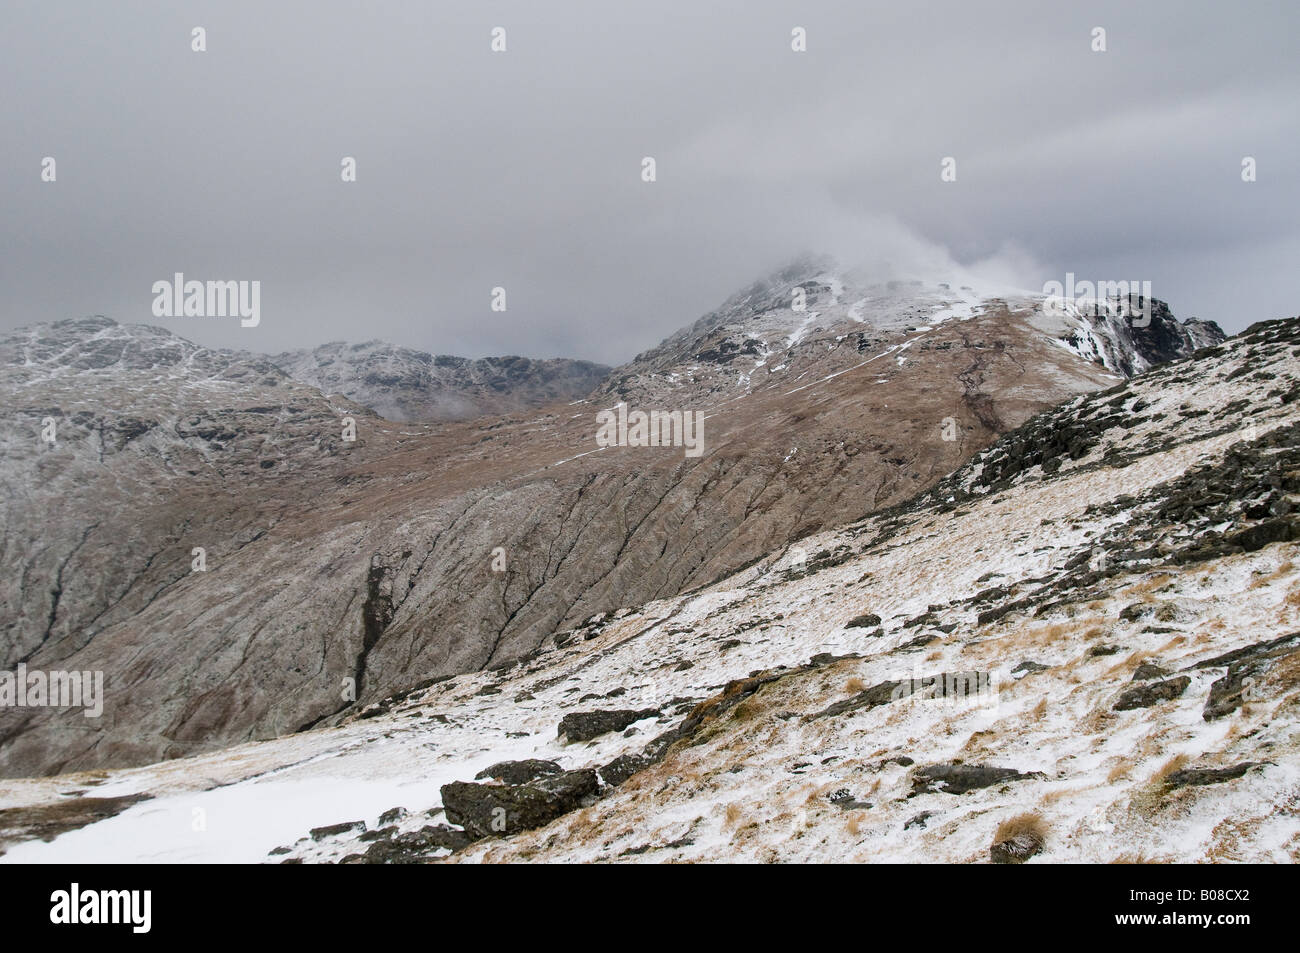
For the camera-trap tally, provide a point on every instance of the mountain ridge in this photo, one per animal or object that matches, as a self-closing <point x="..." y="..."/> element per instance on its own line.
<point x="394" y="533"/>
<point x="1090" y="629"/>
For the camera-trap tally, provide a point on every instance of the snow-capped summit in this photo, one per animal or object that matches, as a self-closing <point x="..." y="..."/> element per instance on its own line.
<point x="812" y="316"/>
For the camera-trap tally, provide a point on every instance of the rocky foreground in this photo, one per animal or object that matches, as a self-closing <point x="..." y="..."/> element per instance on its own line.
<point x="1084" y="645"/>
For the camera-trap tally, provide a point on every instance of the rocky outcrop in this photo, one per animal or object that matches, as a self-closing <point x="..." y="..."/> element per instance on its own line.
<point x="519" y="772"/>
<point x="487" y="810"/>
<point x="1152" y="693"/>
<point x="1199" y="777"/>
<point x="413" y="847"/>
<point x="585" y="725"/>
<point x="947" y="685"/>
<point x="1247" y="668"/>
<point x="961" y="778"/>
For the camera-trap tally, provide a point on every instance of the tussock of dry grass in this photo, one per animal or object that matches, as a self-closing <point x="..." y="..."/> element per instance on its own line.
<point x="1129" y="664"/>
<point x="1285" y="569"/>
<point x="1120" y="771"/>
<point x="1028" y="825"/>
<point x="746" y="710"/>
<point x="1173" y="643"/>
<point x="1137" y="858"/>
<point x="975" y="744"/>
<point x="1176" y="763"/>
<point x="1146" y="587"/>
<point x="1058" y="794"/>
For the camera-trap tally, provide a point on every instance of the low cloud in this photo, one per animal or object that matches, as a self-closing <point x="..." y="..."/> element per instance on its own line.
<point x="522" y="169"/>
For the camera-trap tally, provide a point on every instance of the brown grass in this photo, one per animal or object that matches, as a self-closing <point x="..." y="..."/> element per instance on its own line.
<point x="1285" y="569"/>
<point x="975" y="743"/>
<point x="1145" y="587"/>
<point x="734" y="814"/>
<point x="1129" y="664"/>
<point x="746" y="710"/>
<point x="1051" y="797"/>
<point x="1039" y="710"/>
<point x="47" y="821"/>
<point x="855" y="685"/>
<point x="1120" y="771"/>
<point x="1137" y="858"/>
<point x="1176" y="763"/>
<point x="1027" y="824"/>
<point x="1176" y="641"/>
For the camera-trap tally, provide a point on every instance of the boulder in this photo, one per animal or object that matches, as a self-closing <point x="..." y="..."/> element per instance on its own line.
<point x="1028" y="667"/>
<point x="416" y="847"/>
<point x="335" y="830"/>
<point x="585" y="725"/>
<point x="1197" y="777"/>
<point x="960" y="778"/>
<point x="1147" y="671"/>
<point x="487" y="810"/>
<point x="1152" y="693"/>
<point x="868" y="621"/>
<point x="519" y="772"/>
<point x="1016" y="849"/>
<point x="392" y="816"/>
<point x="1246" y="667"/>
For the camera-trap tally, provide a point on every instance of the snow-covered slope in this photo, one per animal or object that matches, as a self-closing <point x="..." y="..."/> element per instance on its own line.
<point x="425" y="550"/>
<point x="1087" y="638"/>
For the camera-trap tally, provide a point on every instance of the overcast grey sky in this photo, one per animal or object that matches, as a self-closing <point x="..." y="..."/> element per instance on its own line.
<point x="523" y="169"/>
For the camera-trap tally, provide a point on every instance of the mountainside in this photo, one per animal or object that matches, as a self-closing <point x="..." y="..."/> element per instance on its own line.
<point x="1082" y="645"/>
<point x="756" y="336"/>
<point x="338" y="569"/>
<point x="402" y="384"/>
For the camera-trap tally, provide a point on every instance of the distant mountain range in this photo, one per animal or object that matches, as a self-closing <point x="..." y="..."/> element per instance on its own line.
<point x="402" y="384"/>
<point x="422" y="550"/>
